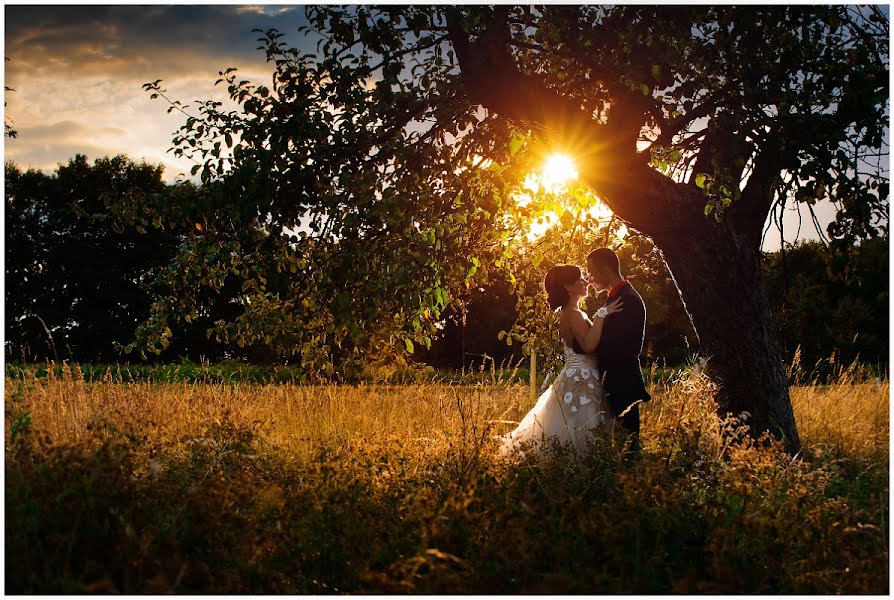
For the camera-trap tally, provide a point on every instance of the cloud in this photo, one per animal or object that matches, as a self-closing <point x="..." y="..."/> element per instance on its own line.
<point x="77" y="72"/>
<point x="134" y="42"/>
<point x="253" y="8"/>
<point x="66" y="131"/>
<point x="49" y="155"/>
<point x="262" y="9"/>
<point x="62" y="129"/>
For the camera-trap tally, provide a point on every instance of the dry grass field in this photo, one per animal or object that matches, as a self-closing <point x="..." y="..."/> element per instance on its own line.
<point x="192" y="488"/>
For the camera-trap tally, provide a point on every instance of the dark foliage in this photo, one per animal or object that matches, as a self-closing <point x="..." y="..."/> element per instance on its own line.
<point x="826" y="301"/>
<point x="75" y="285"/>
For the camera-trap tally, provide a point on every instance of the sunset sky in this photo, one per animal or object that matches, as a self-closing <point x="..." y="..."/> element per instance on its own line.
<point x="77" y="73"/>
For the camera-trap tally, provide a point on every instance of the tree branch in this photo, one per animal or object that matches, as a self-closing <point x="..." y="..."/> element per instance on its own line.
<point x="417" y="48"/>
<point x="491" y="77"/>
<point x="529" y="46"/>
<point x="749" y="212"/>
<point x="675" y="126"/>
<point x="606" y="153"/>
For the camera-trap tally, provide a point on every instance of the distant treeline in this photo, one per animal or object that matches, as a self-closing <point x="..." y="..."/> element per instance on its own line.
<point x="823" y="303"/>
<point x="78" y="284"/>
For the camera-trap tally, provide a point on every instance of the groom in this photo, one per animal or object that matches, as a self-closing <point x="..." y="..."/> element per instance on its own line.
<point x="622" y="339"/>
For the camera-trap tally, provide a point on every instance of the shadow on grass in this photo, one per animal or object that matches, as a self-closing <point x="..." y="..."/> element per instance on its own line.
<point x="224" y="511"/>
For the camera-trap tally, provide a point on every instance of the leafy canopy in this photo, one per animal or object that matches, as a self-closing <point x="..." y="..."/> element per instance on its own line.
<point x="366" y="188"/>
<point x="65" y="298"/>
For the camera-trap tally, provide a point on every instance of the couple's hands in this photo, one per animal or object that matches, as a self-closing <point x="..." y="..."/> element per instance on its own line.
<point x="610" y="309"/>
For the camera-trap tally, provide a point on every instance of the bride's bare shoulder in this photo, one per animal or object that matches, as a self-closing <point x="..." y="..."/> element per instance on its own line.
<point x="571" y="316"/>
<point x="580" y="314"/>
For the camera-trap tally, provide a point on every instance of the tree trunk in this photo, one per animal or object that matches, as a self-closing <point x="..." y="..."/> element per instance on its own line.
<point x="716" y="267"/>
<point x="719" y="278"/>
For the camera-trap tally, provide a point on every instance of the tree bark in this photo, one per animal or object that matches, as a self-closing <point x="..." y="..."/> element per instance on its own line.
<point x="718" y="274"/>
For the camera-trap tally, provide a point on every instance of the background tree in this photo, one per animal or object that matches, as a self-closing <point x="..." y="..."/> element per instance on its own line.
<point x="349" y="232"/>
<point x="70" y="277"/>
<point x="407" y="137"/>
<point x="827" y="302"/>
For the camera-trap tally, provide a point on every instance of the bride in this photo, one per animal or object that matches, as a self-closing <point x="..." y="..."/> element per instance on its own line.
<point x="575" y="403"/>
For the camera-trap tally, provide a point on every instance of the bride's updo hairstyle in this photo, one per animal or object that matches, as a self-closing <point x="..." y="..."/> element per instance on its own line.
<point x="555" y="281"/>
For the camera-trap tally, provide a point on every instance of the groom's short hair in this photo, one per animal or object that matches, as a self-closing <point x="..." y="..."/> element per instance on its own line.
<point x="604" y="259"/>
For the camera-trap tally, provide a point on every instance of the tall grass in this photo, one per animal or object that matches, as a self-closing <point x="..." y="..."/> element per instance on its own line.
<point x="149" y="487"/>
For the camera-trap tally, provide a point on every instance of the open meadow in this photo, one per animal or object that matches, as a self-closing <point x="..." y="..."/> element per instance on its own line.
<point x="251" y="252"/>
<point x="215" y="488"/>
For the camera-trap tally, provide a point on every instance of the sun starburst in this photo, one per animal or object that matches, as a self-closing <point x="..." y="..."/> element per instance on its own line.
<point x="558" y="171"/>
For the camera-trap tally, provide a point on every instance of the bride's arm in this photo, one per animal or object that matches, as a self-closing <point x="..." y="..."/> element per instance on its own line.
<point x="587" y="335"/>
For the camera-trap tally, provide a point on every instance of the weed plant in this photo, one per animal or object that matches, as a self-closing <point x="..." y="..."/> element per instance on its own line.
<point x="158" y="487"/>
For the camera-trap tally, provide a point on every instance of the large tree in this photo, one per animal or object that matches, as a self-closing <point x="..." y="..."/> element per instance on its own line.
<point x="740" y="108"/>
<point x="408" y="134"/>
<point x="75" y="286"/>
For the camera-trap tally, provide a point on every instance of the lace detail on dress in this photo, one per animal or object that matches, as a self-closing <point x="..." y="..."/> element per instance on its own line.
<point x="568" y="410"/>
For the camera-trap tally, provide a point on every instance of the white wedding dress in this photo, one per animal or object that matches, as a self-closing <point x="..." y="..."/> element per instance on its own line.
<point x="569" y="410"/>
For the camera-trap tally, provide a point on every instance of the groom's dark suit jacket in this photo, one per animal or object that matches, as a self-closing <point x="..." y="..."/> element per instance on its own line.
<point x="618" y="353"/>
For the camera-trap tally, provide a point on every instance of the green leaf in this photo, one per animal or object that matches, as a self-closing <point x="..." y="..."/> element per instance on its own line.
<point x="700" y="180"/>
<point x="409" y="344"/>
<point x="709" y="208"/>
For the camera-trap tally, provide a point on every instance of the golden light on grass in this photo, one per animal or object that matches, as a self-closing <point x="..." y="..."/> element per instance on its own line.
<point x="141" y="477"/>
<point x="65" y="407"/>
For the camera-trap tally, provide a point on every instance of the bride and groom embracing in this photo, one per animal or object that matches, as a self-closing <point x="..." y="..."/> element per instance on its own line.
<point x="601" y="383"/>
